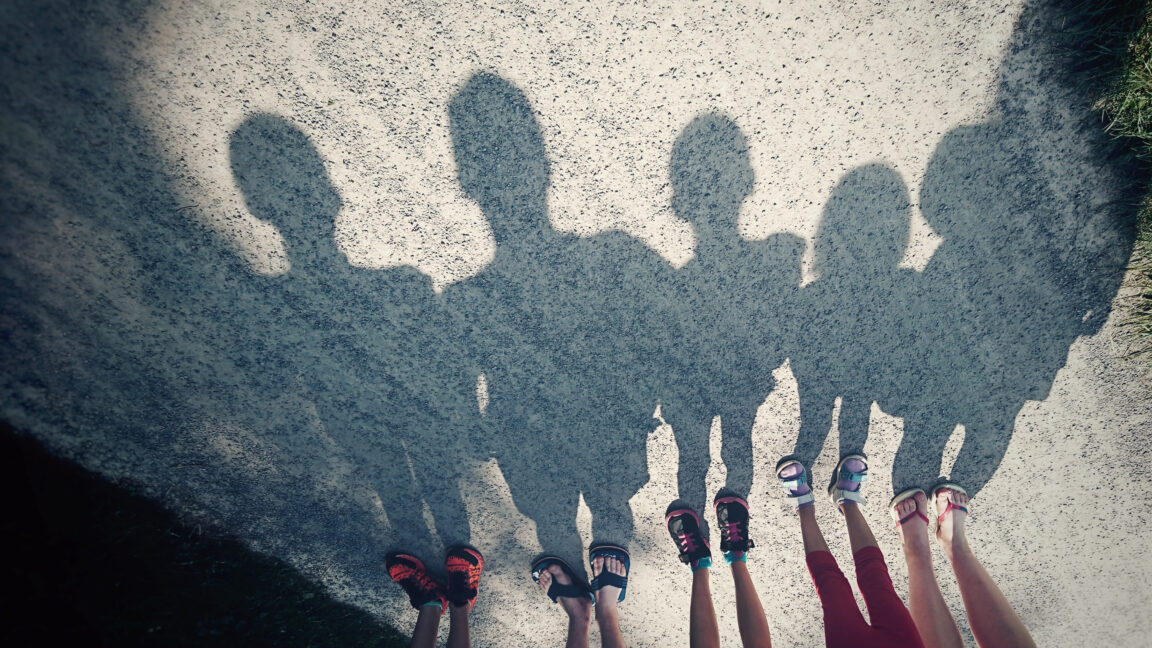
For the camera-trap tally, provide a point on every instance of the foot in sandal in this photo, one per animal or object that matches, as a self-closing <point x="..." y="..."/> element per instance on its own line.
<point x="609" y="575"/>
<point x="910" y="511"/>
<point x="556" y="579"/>
<point x="952" y="509"/>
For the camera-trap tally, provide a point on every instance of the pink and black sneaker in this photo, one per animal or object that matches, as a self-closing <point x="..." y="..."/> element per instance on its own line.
<point x="685" y="528"/>
<point x="732" y="518"/>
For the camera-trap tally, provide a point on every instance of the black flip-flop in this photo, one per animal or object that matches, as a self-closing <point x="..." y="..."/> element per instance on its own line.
<point x="557" y="589"/>
<point x="607" y="578"/>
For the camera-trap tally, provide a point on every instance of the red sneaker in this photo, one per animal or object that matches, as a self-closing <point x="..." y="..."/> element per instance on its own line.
<point x="409" y="573"/>
<point x="464" y="565"/>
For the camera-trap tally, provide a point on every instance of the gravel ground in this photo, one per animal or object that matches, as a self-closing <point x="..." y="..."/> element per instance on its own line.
<point x="334" y="278"/>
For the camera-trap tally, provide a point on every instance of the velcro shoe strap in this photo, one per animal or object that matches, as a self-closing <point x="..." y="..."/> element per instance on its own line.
<point x="800" y="500"/>
<point x="847" y="495"/>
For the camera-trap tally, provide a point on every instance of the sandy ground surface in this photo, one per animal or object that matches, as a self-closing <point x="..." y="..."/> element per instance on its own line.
<point x="338" y="278"/>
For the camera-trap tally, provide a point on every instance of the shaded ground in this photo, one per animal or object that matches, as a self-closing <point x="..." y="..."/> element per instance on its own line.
<point x="93" y="563"/>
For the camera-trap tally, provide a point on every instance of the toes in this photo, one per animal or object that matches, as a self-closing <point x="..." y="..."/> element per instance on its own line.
<point x="545" y="580"/>
<point x="557" y="572"/>
<point x="617" y="567"/>
<point x="597" y="565"/>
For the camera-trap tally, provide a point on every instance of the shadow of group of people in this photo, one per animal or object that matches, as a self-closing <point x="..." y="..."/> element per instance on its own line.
<point x="578" y="339"/>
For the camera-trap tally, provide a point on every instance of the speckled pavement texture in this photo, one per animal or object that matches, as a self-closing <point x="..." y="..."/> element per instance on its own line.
<point x="342" y="277"/>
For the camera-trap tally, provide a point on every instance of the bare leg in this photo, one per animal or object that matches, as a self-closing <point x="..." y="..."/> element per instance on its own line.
<point x="607" y="608"/>
<point x="925" y="601"/>
<point x="703" y="632"/>
<point x="810" y="531"/>
<point x="994" y="622"/>
<point x="579" y="610"/>
<point x="749" y="611"/>
<point x="427" y="627"/>
<point x="859" y="534"/>
<point x="458" y="636"/>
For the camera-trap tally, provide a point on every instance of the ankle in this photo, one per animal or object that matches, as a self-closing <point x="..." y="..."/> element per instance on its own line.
<point x="581" y="616"/>
<point x="919" y="552"/>
<point x="606" y="610"/>
<point x="957" y="548"/>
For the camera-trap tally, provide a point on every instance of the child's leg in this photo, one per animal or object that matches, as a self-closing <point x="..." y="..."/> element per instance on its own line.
<point x="993" y="621"/>
<point x="885" y="609"/>
<point x="427" y="627"/>
<point x="685" y="528"/>
<point x="703" y="631"/>
<point x="890" y="619"/>
<point x="607" y="608"/>
<point x="458" y="635"/>
<point x="464" y="565"/>
<point x="424" y="593"/>
<point x="733" y="522"/>
<point x="578" y="608"/>
<point x="749" y="612"/>
<point x="843" y="622"/>
<point x="925" y="601"/>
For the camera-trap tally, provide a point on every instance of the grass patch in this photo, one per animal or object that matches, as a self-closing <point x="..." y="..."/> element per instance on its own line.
<point x="1114" y="41"/>
<point x="91" y="563"/>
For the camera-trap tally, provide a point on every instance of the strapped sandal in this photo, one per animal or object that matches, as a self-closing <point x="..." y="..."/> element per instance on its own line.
<point x="607" y="578"/>
<point x="905" y="495"/>
<point x="952" y="486"/>
<point x="794" y="483"/>
<point x="557" y="589"/>
<point x="838" y="494"/>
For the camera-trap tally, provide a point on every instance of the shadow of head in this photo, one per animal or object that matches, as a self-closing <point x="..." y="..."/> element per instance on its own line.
<point x="865" y="226"/>
<point x="500" y="157"/>
<point x="284" y="181"/>
<point x="711" y="174"/>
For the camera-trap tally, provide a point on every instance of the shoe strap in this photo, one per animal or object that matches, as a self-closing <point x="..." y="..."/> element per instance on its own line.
<point x="559" y="590"/>
<point x="608" y="579"/>
<point x="948" y="509"/>
<point x="803" y="500"/>
<point x="848" y="496"/>
<point x="915" y="514"/>
<point x="859" y="477"/>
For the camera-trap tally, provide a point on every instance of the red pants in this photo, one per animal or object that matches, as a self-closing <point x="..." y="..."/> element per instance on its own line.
<point x="844" y="625"/>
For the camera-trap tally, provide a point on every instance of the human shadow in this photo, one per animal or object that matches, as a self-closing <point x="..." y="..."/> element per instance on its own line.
<point x="1035" y="237"/>
<point x="730" y="308"/>
<point x="137" y="340"/>
<point x="851" y="318"/>
<point x="560" y="327"/>
<point x="374" y="348"/>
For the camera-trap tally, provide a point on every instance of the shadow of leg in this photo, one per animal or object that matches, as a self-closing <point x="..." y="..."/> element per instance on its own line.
<point x="917" y="462"/>
<point x="736" y="448"/>
<point x="985" y="442"/>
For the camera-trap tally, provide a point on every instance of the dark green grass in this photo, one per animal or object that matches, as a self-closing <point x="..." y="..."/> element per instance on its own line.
<point x="1114" y="43"/>
<point x="92" y="563"/>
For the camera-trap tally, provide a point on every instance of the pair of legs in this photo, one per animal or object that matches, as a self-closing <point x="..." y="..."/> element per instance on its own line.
<point x="578" y="606"/>
<point x="428" y="627"/>
<point x="993" y="621"/>
<point x="430" y="597"/>
<point x="732" y="521"/>
<point x="844" y="625"/>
